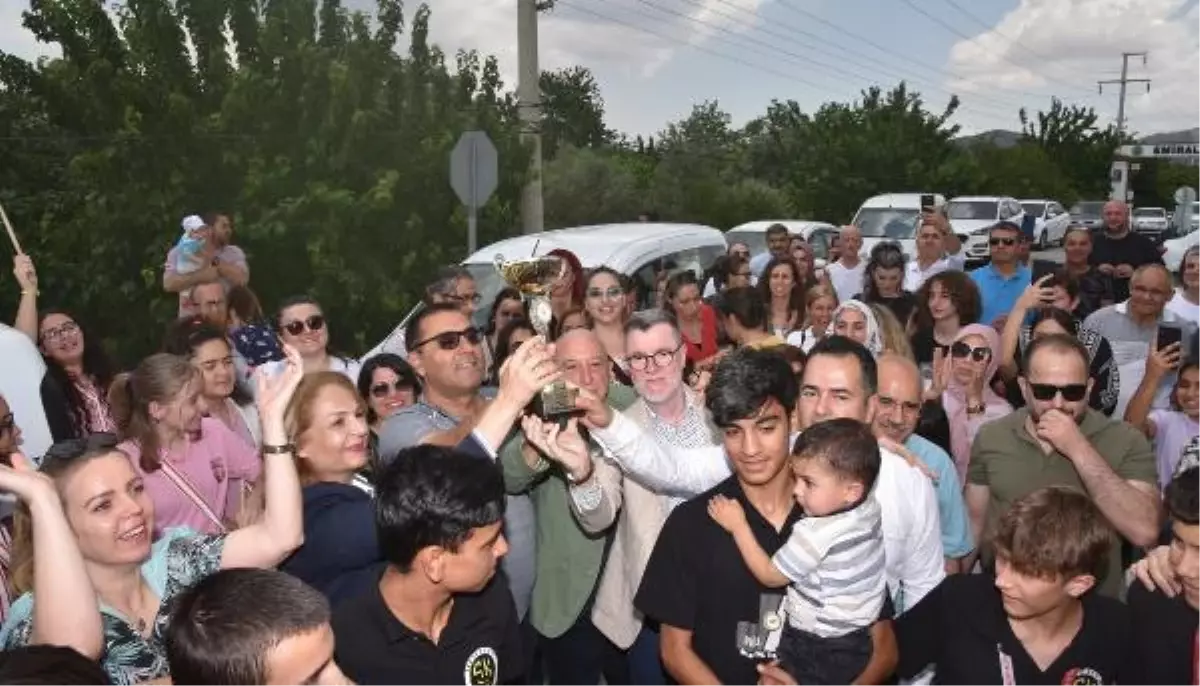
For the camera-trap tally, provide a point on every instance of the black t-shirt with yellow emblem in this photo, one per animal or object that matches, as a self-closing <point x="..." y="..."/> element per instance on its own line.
<point x="479" y="646"/>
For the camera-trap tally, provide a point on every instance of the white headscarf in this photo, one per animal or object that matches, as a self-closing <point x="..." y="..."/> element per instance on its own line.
<point x="874" y="342"/>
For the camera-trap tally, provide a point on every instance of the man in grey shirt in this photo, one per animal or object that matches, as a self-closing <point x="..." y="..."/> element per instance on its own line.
<point x="446" y="351"/>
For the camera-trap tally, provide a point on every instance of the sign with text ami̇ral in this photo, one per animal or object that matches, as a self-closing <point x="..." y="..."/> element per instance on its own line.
<point x="473" y="176"/>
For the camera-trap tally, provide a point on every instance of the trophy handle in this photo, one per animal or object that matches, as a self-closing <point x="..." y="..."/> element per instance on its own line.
<point x="498" y="261"/>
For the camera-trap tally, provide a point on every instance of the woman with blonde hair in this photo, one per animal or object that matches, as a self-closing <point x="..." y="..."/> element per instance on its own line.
<point x="819" y="303"/>
<point x="891" y="332"/>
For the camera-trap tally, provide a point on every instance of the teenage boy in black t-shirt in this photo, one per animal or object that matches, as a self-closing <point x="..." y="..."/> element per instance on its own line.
<point x="1038" y="621"/>
<point x="440" y="614"/>
<point x="1164" y="627"/>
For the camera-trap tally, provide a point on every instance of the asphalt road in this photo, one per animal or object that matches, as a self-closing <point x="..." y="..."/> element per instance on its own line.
<point x="1055" y="254"/>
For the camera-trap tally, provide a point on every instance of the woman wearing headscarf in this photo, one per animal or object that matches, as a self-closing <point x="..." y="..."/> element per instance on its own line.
<point x="855" y="320"/>
<point x="962" y="380"/>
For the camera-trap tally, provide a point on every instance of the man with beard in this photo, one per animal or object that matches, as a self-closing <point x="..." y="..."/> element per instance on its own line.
<point x="1038" y="621"/>
<point x="225" y="263"/>
<point x="447" y="354"/>
<point x="899" y="410"/>
<point x="1057" y="440"/>
<point x="1118" y="251"/>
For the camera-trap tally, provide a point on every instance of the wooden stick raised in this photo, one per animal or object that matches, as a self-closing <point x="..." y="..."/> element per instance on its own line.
<point x="12" y="235"/>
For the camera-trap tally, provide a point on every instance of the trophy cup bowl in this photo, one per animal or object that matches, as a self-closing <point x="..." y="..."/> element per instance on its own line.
<point x="533" y="277"/>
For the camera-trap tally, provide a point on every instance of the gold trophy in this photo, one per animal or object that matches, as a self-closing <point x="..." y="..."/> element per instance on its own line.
<point x="534" y="277"/>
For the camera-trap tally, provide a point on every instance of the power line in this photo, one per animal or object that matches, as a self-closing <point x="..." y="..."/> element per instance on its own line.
<point x="1124" y="81"/>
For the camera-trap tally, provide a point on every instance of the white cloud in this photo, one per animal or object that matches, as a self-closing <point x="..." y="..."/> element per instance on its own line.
<point x="1062" y="47"/>
<point x="15" y="39"/>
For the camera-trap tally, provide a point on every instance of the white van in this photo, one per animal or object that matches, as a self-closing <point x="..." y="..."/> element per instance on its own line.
<point x="892" y="217"/>
<point x="637" y="249"/>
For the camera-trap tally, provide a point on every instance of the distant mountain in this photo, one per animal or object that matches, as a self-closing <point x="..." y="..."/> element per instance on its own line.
<point x="1006" y="139"/>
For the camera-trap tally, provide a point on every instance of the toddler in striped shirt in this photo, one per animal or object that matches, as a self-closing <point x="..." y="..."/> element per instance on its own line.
<point x="833" y="562"/>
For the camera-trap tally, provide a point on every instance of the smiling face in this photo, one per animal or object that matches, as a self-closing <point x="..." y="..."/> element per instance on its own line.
<point x="1187" y="391"/>
<point x="604" y="299"/>
<point x="303" y="327"/>
<point x="820" y="313"/>
<point x="386" y="396"/>
<point x="965" y="368"/>
<point x="449" y="364"/>
<point x="108" y="509"/>
<point x="833" y="387"/>
<point x="852" y="324"/>
<point x="1077" y="246"/>
<point x="780" y="280"/>
<point x="758" y="446"/>
<point x="10" y="433"/>
<point x="335" y="443"/>
<point x="656" y="383"/>
<point x="61" y="339"/>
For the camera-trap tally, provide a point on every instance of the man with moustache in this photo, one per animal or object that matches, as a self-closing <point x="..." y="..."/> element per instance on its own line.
<point x="899" y="409"/>
<point x="1057" y="440"/>
<point x="696" y="584"/>
<point x="446" y="352"/>
<point x="1118" y="251"/>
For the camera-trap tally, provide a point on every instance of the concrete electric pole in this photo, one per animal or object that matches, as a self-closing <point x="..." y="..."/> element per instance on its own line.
<point x="529" y="108"/>
<point x="1124" y="81"/>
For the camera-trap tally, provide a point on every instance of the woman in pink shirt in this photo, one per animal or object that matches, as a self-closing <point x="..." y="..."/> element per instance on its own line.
<point x="189" y="461"/>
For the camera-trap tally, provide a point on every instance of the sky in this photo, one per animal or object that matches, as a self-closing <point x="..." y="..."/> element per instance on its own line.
<point x="655" y="59"/>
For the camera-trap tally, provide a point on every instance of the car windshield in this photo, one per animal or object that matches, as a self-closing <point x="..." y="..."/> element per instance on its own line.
<point x="1087" y="209"/>
<point x="755" y="240"/>
<point x="887" y="222"/>
<point x="973" y="209"/>
<point x="1034" y="208"/>
<point x="1150" y="212"/>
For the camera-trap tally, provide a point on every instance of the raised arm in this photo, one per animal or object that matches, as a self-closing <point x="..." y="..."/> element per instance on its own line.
<point x="280" y="530"/>
<point x="1033" y="295"/>
<point x="27" y="313"/>
<point x="1158" y="365"/>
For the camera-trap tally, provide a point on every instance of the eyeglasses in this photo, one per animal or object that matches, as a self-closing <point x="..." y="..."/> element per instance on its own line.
<point x="611" y="293"/>
<point x="450" y="340"/>
<point x="61" y="331"/>
<point x="73" y="448"/>
<point x="1072" y="393"/>
<point x="661" y="358"/>
<point x="7" y="423"/>
<point x="1007" y="242"/>
<point x="473" y="298"/>
<point x="381" y="390"/>
<point x="961" y="349"/>
<point x="313" y="323"/>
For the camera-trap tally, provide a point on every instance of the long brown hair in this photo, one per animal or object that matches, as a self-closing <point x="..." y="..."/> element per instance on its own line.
<point x="159" y="378"/>
<point x="298" y="419"/>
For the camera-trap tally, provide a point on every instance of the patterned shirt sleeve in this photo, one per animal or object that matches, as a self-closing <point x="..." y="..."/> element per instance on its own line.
<point x="192" y="558"/>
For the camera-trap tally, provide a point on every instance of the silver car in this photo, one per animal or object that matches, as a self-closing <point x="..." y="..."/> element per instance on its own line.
<point x="1151" y="221"/>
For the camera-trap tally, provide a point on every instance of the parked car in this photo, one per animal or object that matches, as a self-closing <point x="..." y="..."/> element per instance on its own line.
<point x="637" y="249"/>
<point x="1051" y="221"/>
<point x="1151" y="221"/>
<point x="754" y="234"/>
<point x="892" y="217"/>
<point x="973" y="215"/>
<point x="1088" y="213"/>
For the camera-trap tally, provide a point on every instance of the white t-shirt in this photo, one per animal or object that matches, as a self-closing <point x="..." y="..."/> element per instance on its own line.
<point x="805" y="340"/>
<point x="848" y="282"/>
<point x="21" y="372"/>
<point x="1184" y="308"/>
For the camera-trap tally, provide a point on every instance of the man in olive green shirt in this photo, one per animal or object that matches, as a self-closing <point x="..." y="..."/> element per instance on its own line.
<point x="1057" y="440"/>
<point x="569" y="559"/>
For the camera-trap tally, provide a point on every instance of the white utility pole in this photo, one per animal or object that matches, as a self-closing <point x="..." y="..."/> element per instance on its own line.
<point x="1124" y="81"/>
<point x="529" y="109"/>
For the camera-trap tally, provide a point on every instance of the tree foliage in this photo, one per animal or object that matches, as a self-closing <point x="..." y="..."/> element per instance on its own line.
<point x="1074" y="140"/>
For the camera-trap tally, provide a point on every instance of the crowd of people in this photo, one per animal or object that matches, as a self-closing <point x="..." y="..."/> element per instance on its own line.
<point x="885" y="468"/>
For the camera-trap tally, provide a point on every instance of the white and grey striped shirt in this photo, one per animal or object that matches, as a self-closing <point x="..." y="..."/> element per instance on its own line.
<point x="837" y="569"/>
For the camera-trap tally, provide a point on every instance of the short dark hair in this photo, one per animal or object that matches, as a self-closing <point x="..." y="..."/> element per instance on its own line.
<point x="1005" y="226"/>
<point x="405" y="376"/>
<point x="433" y="496"/>
<point x="1060" y="342"/>
<point x="840" y="346"/>
<point x="47" y="664"/>
<point x="222" y="628"/>
<point x="776" y="229"/>
<point x="293" y="301"/>
<point x="846" y="445"/>
<point x="745" y="305"/>
<point x="1063" y="278"/>
<point x="1063" y="318"/>
<point x="1182" y="497"/>
<point x="412" y="330"/>
<point x="744" y="381"/>
<point x="1054" y="532"/>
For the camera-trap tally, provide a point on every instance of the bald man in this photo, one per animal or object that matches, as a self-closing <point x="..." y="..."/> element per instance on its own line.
<point x="895" y="420"/>
<point x="1117" y="251"/>
<point x="846" y="274"/>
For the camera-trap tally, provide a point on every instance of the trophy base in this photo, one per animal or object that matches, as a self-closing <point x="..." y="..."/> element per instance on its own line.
<point x="555" y="401"/>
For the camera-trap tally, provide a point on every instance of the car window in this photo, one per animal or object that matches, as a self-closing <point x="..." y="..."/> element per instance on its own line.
<point x="1036" y="208"/>
<point x="755" y="240"/>
<point x="887" y="222"/>
<point x="972" y="209"/>
<point x="821" y="240"/>
<point x="695" y="260"/>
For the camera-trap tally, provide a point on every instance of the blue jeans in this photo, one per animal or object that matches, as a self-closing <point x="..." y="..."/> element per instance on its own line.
<point x="645" y="662"/>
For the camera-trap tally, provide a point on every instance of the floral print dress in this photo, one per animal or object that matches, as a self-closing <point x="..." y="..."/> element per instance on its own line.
<point x="177" y="560"/>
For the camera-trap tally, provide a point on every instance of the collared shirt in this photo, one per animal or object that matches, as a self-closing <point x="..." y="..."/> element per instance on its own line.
<point x="911" y="535"/>
<point x="961" y="627"/>
<point x="998" y="293"/>
<point x="914" y="276"/>
<point x="952" y="510"/>
<point x="480" y="644"/>
<point x="1010" y="462"/>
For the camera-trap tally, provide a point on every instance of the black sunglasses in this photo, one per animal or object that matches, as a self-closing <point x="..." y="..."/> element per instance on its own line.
<point x="961" y="349"/>
<point x="1007" y="242"/>
<point x="313" y="323"/>
<point x="73" y="448"/>
<point x="380" y="390"/>
<point x="450" y="340"/>
<point x="1072" y="393"/>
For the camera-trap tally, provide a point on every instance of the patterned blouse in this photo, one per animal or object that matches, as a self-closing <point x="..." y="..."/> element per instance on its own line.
<point x="99" y="417"/>
<point x="177" y="560"/>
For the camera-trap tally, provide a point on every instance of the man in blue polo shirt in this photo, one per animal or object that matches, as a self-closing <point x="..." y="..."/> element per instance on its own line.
<point x="1001" y="281"/>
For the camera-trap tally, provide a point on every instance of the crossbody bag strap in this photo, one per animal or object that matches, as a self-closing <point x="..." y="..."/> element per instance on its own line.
<point x="185" y="487"/>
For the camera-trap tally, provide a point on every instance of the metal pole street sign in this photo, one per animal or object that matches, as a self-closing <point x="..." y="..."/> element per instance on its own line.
<point x="473" y="176"/>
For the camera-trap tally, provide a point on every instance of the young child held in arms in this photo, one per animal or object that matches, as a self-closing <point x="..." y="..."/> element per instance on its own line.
<point x="833" y="562"/>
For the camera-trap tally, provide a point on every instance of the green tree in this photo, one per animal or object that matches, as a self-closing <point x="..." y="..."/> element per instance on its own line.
<point x="572" y="111"/>
<point x="1075" y="142"/>
<point x="585" y="186"/>
<point x="1023" y="171"/>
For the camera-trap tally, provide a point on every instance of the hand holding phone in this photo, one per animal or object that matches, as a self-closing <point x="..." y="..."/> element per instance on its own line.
<point x="1167" y="335"/>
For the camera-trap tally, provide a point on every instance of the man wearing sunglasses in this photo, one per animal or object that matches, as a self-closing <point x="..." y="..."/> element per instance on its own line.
<point x="1057" y="440"/>
<point x="1002" y="281"/>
